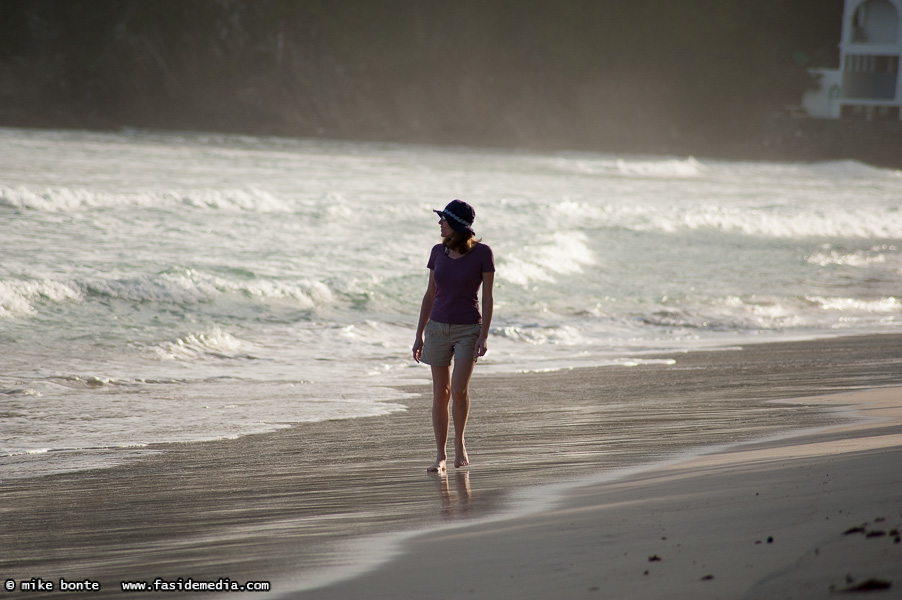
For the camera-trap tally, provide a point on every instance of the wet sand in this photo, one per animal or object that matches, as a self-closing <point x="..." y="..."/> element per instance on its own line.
<point x="803" y="517"/>
<point x="291" y="506"/>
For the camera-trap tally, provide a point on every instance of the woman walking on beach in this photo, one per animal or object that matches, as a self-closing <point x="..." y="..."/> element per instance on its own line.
<point x="451" y="325"/>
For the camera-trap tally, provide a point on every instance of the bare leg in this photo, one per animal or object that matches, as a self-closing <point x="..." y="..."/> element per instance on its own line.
<point x="460" y="391"/>
<point x="441" y="399"/>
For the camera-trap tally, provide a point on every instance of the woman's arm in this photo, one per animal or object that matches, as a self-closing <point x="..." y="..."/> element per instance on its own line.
<point x="425" y="309"/>
<point x="488" y="305"/>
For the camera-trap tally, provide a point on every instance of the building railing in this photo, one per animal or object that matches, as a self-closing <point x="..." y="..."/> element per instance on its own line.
<point x="877" y="86"/>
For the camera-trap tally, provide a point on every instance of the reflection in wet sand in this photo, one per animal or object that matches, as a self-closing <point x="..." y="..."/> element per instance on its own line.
<point x="455" y="503"/>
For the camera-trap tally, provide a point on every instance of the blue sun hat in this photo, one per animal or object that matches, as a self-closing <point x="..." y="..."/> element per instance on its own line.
<point x="460" y="216"/>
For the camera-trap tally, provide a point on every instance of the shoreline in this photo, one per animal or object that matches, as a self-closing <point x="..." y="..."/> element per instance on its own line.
<point x="122" y="456"/>
<point x="290" y="503"/>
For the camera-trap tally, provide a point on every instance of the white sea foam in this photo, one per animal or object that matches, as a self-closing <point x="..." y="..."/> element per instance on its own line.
<point x="20" y="392"/>
<point x="18" y="297"/>
<point x="64" y="199"/>
<point x="889" y="305"/>
<point x="82" y="381"/>
<point x="214" y="343"/>
<point x="844" y="170"/>
<point x="876" y="255"/>
<point x="251" y="200"/>
<point x="668" y="168"/>
<point x="190" y="286"/>
<point x="555" y="335"/>
<point x="779" y="222"/>
<point x="560" y="253"/>
<point x="304" y="294"/>
<point x="4" y="452"/>
<point x="879" y="222"/>
<point x="181" y="288"/>
<point x="643" y="167"/>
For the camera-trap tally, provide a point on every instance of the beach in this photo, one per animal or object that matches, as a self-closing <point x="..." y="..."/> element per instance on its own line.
<point x="578" y="477"/>
<point x="803" y="517"/>
<point x="176" y="288"/>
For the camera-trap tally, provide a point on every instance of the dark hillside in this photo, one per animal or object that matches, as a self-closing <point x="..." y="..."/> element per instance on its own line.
<point x="658" y="76"/>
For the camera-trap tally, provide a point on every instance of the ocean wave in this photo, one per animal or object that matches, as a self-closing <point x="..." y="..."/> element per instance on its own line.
<point x="877" y="255"/>
<point x="733" y="313"/>
<point x="84" y="381"/>
<point x="790" y="173"/>
<point x="537" y="335"/>
<point x="674" y="168"/>
<point x="11" y="452"/>
<point x="25" y="452"/>
<point x="23" y="297"/>
<point x="190" y="286"/>
<point x="783" y="219"/>
<point x="250" y="200"/>
<point x="186" y="287"/>
<point x="63" y="199"/>
<point x="20" y="392"/>
<point x="645" y="167"/>
<point x="19" y="296"/>
<point x="849" y="169"/>
<point x="712" y="320"/>
<point x="857" y="305"/>
<point x="561" y="253"/>
<point x="213" y="343"/>
<point x="770" y="221"/>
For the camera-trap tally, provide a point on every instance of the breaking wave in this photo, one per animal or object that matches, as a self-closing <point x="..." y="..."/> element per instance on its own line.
<point x="18" y="297"/>
<point x="22" y="298"/>
<point x="64" y="199"/>
<point x="213" y="343"/>
<point x="193" y="287"/>
<point x="763" y="221"/>
<point x="561" y="253"/>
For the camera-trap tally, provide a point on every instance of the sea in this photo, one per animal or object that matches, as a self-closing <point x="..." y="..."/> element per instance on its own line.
<point x="177" y="287"/>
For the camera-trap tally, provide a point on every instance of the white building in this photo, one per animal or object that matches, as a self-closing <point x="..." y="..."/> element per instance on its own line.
<point x="868" y="83"/>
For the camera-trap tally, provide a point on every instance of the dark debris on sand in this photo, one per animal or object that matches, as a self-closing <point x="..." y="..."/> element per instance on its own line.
<point x="868" y="585"/>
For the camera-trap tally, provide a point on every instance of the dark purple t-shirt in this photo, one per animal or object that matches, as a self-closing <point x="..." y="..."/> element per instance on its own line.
<point x="457" y="282"/>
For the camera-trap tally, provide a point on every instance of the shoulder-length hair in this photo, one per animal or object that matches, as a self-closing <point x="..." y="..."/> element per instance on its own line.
<point x="461" y="241"/>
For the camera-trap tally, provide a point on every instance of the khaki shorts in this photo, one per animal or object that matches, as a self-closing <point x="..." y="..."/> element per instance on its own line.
<point x="444" y="340"/>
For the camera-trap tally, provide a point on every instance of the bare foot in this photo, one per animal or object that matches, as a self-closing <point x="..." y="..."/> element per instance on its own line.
<point x="438" y="467"/>
<point x="461" y="459"/>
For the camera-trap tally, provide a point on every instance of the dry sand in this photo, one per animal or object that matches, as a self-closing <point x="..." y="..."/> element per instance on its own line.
<point x="292" y="505"/>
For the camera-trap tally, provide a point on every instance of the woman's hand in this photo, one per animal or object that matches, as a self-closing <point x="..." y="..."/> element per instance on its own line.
<point x="418" y="349"/>
<point x="481" y="348"/>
